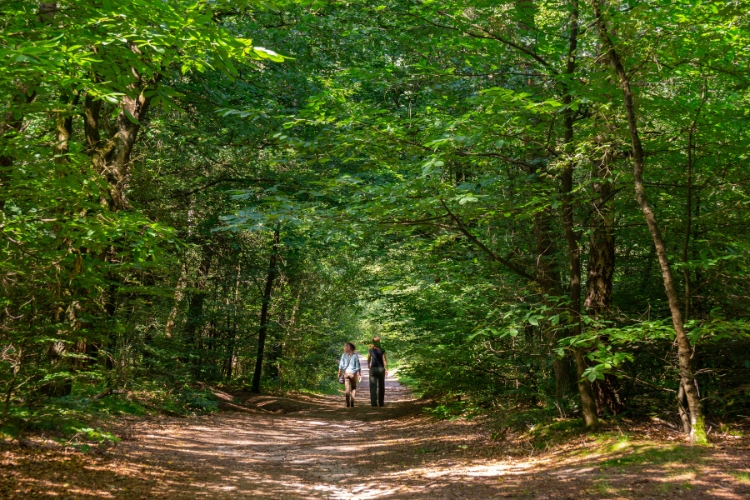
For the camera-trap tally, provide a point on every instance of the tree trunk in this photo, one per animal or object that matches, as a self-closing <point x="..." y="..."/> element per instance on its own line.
<point x="684" y="350"/>
<point x="229" y="359"/>
<point x="601" y="268"/>
<point x="111" y="157"/>
<point x="64" y="128"/>
<point x="194" y="319"/>
<point x="601" y="262"/>
<point x="562" y="369"/>
<point x="117" y="166"/>
<point x="263" y="329"/>
<point x="588" y="403"/>
<point x="179" y="293"/>
<point x="682" y="410"/>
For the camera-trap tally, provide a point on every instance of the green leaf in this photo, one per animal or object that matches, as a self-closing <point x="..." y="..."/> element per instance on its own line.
<point x="268" y="54"/>
<point x="130" y="117"/>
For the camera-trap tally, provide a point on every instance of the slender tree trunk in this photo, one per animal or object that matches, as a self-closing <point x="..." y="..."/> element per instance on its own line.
<point x="195" y="320"/>
<point x="229" y="360"/>
<point x="588" y="403"/>
<point x="601" y="268"/>
<point x="562" y="368"/>
<point x="12" y="384"/>
<point x="64" y="128"/>
<point x="263" y="329"/>
<point x="684" y="349"/>
<point x="179" y="293"/>
<point x="110" y="310"/>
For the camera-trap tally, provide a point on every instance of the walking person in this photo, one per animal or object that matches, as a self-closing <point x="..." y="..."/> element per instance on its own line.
<point x="350" y="371"/>
<point x="378" y="365"/>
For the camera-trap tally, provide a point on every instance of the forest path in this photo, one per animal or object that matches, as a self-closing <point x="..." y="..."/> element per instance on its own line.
<point x="314" y="447"/>
<point x="306" y="447"/>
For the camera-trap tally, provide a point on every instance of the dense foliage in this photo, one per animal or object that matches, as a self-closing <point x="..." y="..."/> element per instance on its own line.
<point x="181" y="205"/>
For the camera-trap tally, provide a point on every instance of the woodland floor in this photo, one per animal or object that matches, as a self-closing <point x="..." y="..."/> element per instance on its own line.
<point x="315" y="447"/>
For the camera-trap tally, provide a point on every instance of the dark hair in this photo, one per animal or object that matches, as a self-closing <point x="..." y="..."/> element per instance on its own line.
<point x="351" y="346"/>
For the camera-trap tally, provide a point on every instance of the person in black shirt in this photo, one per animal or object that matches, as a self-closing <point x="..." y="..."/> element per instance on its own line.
<point x="378" y="365"/>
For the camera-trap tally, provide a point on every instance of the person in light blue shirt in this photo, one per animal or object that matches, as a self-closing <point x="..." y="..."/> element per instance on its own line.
<point x="350" y="372"/>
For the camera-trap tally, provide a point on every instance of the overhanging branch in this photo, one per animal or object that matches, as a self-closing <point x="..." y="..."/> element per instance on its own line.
<point x="461" y="227"/>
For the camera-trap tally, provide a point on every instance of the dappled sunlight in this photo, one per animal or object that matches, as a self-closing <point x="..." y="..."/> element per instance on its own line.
<point x="314" y="447"/>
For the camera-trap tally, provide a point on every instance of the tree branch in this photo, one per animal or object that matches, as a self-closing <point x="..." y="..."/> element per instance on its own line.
<point x="493" y="255"/>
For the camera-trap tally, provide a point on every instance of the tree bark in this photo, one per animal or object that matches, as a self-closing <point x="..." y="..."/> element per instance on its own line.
<point x="588" y="403"/>
<point x="198" y="296"/>
<point x="263" y="329"/>
<point x="601" y="262"/>
<point x="565" y="379"/>
<point x="682" y="410"/>
<point x="601" y="267"/>
<point x="64" y="129"/>
<point x="179" y="293"/>
<point x="229" y="359"/>
<point x="684" y="349"/>
<point x="111" y="157"/>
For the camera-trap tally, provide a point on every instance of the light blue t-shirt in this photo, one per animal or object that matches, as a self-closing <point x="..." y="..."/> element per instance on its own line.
<point x="349" y="363"/>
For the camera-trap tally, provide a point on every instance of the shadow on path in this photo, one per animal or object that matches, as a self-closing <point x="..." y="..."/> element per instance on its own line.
<point x="315" y="447"/>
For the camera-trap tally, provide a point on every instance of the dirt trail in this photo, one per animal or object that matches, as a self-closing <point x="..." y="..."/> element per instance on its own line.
<point x="315" y="447"/>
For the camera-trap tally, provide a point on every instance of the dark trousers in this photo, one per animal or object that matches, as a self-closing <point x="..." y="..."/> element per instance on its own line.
<point x="377" y="386"/>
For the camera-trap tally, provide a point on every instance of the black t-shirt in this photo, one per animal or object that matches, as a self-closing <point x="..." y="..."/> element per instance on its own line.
<point x="376" y="358"/>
